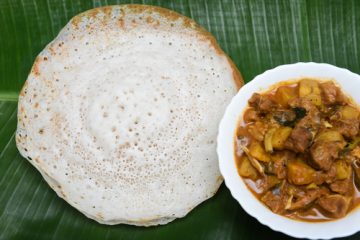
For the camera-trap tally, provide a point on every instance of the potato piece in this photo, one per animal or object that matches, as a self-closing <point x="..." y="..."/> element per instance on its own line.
<point x="314" y="98"/>
<point x="279" y="137"/>
<point x="310" y="89"/>
<point x="257" y="151"/>
<point x="285" y="93"/>
<point x="348" y="113"/>
<point x="308" y="86"/>
<point x="299" y="173"/>
<point x="305" y="88"/>
<point x="254" y="162"/>
<point x="329" y="136"/>
<point x="246" y="170"/>
<point x="331" y="94"/>
<point x="343" y="171"/>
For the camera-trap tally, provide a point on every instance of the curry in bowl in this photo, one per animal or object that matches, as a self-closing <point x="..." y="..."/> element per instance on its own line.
<point x="297" y="148"/>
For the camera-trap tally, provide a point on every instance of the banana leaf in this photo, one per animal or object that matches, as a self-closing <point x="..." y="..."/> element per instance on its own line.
<point x="257" y="35"/>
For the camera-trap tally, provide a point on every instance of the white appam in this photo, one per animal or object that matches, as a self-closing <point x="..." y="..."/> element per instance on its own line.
<point x="120" y="114"/>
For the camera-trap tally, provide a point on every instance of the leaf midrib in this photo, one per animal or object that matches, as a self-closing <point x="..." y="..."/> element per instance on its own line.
<point x="9" y="96"/>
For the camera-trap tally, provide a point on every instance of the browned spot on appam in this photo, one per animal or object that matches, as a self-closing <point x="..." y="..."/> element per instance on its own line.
<point x="52" y="50"/>
<point x="219" y="179"/>
<point x="100" y="216"/>
<point x="107" y="10"/>
<point x="35" y="69"/>
<point x="121" y="22"/>
<point x="63" y="194"/>
<point x="149" y="19"/>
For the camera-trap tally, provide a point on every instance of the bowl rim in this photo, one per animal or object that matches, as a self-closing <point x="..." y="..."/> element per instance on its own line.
<point x="295" y="228"/>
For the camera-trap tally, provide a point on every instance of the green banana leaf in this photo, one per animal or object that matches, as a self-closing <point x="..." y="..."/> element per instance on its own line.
<point x="257" y="35"/>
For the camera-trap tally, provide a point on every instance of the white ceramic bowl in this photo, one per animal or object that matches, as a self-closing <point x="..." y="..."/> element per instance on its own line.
<point x="350" y="83"/>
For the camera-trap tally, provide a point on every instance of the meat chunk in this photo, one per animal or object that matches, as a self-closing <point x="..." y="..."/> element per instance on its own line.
<point x="312" y="113"/>
<point x="254" y="101"/>
<point x="324" y="153"/>
<point x="348" y="128"/>
<point x="336" y="204"/>
<point x="268" y="183"/>
<point x="302" y="135"/>
<point x="303" y="103"/>
<point x="355" y="153"/>
<point x="258" y="130"/>
<point x="325" y="177"/>
<point x="331" y="94"/>
<point x="251" y="115"/>
<point x="309" y="197"/>
<point x="284" y="117"/>
<point x="266" y="104"/>
<point x="346" y="119"/>
<point x="299" y="140"/>
<point x="261" y="103"/>
<point x="341" y="186"/>
<point x="275" y="202"/>
<point x="279" y="162"/>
